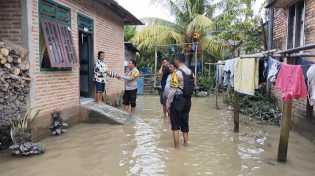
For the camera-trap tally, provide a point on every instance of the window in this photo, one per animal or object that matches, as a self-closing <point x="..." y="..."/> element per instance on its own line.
<point x="56" y="44"/>
<point x="296" y="25"/>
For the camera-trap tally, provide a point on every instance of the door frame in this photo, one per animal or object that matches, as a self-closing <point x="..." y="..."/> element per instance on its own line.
<point x="90" y="31"/>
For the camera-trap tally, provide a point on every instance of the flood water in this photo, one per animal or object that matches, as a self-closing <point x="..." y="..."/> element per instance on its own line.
<point x="144" y="148"/>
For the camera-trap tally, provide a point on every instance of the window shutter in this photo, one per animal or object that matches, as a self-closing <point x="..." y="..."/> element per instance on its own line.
<point x="54" y="52"/>
<point x="68" y="45"/>
<point x="59" y="44"/>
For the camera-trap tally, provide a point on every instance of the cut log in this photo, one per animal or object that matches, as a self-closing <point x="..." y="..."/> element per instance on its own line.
<point x="16" y="71"/>
<point x="10" y="59"/>
<point x="5" y="51"/>
<point x="3" y="61"/>
<point x="7" y="65"/>
<point x="16" y="49"/>
<point x="25" y="66"/>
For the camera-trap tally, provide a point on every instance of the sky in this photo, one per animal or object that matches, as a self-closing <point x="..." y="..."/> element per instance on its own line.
<point x="145" y="8"/>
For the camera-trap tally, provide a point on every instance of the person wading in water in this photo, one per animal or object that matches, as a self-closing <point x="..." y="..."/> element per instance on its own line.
<point x="183" y="80"/>
<point x="163" y="73"/>
<point x="100" y="72"/>
<point x="130" y="95"/>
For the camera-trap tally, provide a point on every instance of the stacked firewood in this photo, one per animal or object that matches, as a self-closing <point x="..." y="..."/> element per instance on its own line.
<point x="14" y="81"/>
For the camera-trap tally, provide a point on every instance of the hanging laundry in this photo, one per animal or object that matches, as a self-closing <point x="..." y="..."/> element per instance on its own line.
<point x="311" y="84"/>
<point x="305" y="64"/>
<point x="219" y="74"/>
<point x="262" y="71"/>
<point x="229" y="73"/>
<point x="273" y="69"/>
<point x="246" y="76"/>
<point x="291" y="82"/>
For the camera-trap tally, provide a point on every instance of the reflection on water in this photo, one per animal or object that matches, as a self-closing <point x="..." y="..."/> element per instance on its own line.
<point x="144" y="148"/>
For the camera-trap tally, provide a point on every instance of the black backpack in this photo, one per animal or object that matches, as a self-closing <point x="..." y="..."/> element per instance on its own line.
<point x="189" y="84"/>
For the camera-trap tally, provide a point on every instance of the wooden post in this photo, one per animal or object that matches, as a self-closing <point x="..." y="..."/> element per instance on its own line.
<point x="216" y="94"/>
<point x="202" y="63"/>
<point x="155" y="66"/>
<point x="285" y="131"/>
<point x="236" y="112"/>
<point x="196" y="55"/>
<point x="309" y="111"/>
<point x="209" y="74"/>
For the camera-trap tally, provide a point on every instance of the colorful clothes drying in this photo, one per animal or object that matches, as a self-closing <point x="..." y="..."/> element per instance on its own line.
<point x="229" y="73"/>
<point x="311" y="84"/>
<point x="246" y="76"/>
<point x="291" y="82"/>
<point x="305" y="64"/>
<point x="219" y="74"/>
<point x="273" y="70"/>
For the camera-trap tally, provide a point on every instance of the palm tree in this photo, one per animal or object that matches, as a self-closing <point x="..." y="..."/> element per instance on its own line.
<point x="192" y="26"/>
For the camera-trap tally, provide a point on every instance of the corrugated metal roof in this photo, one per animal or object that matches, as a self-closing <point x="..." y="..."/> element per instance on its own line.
<point x="127" y="17"/>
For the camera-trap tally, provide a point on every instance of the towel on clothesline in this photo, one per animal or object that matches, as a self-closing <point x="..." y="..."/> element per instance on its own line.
<point x="229" y="68"/>
<point x="291" y="82"/>
<point x="311" y="84"/>
<point x="246" y="75"/>
<point x="219" y="74"/>
<point x="273" y="69"/>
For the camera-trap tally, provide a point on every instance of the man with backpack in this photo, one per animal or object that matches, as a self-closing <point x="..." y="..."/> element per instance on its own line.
<point x="180" y="107"/>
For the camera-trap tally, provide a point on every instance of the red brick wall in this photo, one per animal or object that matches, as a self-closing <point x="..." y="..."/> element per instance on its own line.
<point x="280" y="28"/>
<point x="280" y="37"/>
<point x="60" y="90"/>
<point x="10" y="20"/>
<point x="310" y="22"/>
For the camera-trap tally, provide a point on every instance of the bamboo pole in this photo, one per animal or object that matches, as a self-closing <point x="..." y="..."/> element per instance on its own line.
<point x="155" y="66"/>
<point x="209" y="74"/>
<point x="216" y="94"/>
<point x="285" y="131"/>
<point x="196" y="55"/>
<point x="236" y="112"/>
<point x="309" y="110"/>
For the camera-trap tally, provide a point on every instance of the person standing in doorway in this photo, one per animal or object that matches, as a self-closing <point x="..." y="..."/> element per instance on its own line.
<point x="180" y="107"/>
<point x="130" y="95"/>
<point x="163" y="73"/>
<point x="100" y="71"/>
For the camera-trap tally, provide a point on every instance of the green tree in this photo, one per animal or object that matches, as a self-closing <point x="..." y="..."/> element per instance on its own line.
<point x="192" y="25"/>
<point x="129" y="32"/>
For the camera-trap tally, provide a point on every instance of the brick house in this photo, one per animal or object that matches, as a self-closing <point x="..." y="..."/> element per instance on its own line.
<point x="293" y="25"/>
<point x="63" y="38"/>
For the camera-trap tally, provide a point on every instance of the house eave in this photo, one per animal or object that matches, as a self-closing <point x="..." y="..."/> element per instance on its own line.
<point x="127" y="17"/>
<point x="280" y="3"/>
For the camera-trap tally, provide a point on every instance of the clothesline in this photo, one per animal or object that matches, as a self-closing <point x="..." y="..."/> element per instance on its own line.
<point x="280" y="54"/>
<point x="288" y="79"/>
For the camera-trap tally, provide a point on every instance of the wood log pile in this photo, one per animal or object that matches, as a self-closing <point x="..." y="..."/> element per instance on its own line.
<point x="14" y="82"/>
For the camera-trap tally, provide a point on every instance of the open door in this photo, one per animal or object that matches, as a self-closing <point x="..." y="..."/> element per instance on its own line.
<point x="85" y="26"/>
<point x="86" y="64"/>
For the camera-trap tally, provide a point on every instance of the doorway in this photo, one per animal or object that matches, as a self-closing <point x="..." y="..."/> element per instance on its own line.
<point x="85" y="26"/>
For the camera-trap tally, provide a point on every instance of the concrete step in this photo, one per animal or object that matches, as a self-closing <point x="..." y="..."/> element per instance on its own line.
<point x="98" y="113"/>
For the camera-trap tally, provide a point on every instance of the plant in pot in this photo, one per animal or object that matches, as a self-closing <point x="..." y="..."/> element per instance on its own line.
<point x="20" y="131"/>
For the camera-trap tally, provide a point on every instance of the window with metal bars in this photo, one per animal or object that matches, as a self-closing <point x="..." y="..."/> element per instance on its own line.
<point x="296" y="25"/>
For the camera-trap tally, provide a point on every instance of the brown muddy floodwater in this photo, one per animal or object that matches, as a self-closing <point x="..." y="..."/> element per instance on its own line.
<point x="144" y="148"/>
